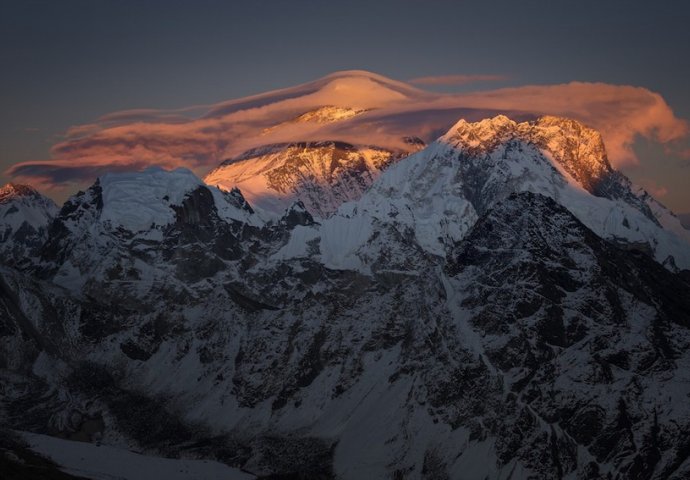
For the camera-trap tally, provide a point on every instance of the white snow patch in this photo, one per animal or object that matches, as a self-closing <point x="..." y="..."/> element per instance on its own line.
<point x="108" y="463"/>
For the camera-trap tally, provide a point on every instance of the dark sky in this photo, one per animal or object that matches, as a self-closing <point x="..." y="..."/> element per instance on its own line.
<point x="68" y="62"/>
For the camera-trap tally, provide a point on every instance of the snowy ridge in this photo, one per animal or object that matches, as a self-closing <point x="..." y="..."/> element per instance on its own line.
<point x="23" y="204"/>
<point x="439" y="192"/>
<point x="325" y="114"/>
<point x="141" y="201"/>
<point x="322" y="175"/>
<point x="120" y="227"/>
<point x="25" y="216"/>
<point x="137" y="201"/>
<point x="328" y="114"/>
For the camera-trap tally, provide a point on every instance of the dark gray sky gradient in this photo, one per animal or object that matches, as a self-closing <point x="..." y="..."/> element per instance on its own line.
<point x="68" y="62"/>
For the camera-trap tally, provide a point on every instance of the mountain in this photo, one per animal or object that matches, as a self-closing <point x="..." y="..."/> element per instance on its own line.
<point x="558" y="310"/>
<point x="500" y="304"/>
<point x="25" y="216"/>
<point x="437" y="194"/>
<point x="325" y="114"/>
<point x="135" y="233"/>
<point x="325" y="142"/>
<point x="322" y="175"/>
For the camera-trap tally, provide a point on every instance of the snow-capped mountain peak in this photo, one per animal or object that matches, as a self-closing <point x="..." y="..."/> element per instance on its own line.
<point x="319" y="116"/>
<point x="139" y="200"/>
<point x="329" y="114"/>
<point x="154" y="224"/>
<point x="322" y="175"/>
<point x="439" y="192"/>
<point x="23" y="203"/>
<point x="10" y="191"/>
<point x="577" y="148"/>
<point x="25" y="215"/>
<point x="146" y="200"/>
<point x="484" y="135"/>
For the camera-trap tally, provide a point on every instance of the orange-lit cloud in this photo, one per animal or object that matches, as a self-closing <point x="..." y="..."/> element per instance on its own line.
<point x="456" y="79"/>
<point x="137" y="138"/>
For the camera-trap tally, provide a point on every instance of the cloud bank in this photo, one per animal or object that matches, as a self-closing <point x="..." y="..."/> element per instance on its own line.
<point x="200" y="137"/>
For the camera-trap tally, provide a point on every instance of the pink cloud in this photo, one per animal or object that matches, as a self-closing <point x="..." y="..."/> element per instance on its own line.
<point x="456" y="79"/>
<point x="135" y="139"/>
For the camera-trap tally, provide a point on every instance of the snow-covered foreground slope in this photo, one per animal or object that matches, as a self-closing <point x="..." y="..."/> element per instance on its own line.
<point x="499" y="305"/>
<point x="437" y="194"/>
<point x="105" y="463"/>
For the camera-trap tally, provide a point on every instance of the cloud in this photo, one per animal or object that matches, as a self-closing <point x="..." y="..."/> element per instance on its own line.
<point x="456" y="79"/>
<point x="150" y="114"/>
<point x="653" y="187"/>
<point x="200" y="137"/>
<point x="140" y="115"/>
<point x="50" y="176"/>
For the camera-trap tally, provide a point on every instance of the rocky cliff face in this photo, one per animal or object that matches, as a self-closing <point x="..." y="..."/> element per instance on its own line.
<point x="474" y="314"/>
<point x="563" y="317"/>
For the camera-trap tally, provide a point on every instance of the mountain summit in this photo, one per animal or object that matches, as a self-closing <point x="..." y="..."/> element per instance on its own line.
<point x="437" y="194"/>
<point x="322" y="175"/>
<point x="24" y="218"/>
<point x="15" y="190"/>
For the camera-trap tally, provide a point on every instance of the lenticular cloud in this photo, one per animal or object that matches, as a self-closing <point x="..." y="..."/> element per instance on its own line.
<point x="385" y="112"/>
